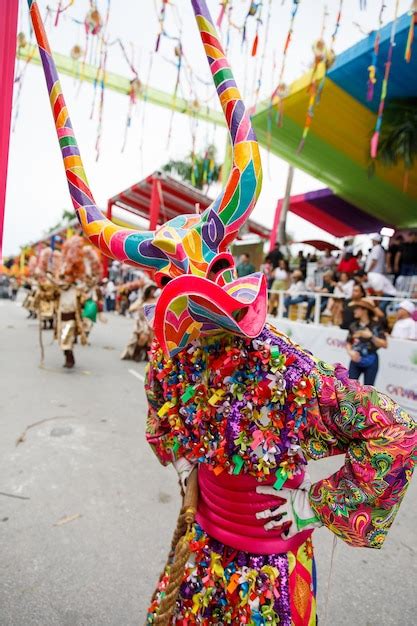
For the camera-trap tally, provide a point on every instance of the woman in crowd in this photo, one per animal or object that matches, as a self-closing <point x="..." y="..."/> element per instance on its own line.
<point x="281" y="277"/>
<point x="141" y="339"/>
<point x="366" y="336"/>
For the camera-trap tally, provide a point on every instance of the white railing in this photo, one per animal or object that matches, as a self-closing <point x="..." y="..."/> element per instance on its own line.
<point x="318" y="298"/>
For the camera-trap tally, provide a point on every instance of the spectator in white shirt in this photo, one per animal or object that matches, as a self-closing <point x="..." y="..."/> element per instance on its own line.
<point x="405" y="327"/>
<point x="376" y="258"/>
<point x="377" y="285"/>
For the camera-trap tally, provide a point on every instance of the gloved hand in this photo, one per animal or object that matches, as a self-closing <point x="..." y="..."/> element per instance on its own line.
<point x="296" y="509"/>
<point x="184" y="469"/>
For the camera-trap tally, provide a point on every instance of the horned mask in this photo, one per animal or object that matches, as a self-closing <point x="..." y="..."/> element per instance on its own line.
<point x="189" y="254"/>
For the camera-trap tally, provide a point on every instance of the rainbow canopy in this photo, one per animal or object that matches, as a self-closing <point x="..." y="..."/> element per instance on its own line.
<point x="337" y="147"/>
<point x="333" y="214"/>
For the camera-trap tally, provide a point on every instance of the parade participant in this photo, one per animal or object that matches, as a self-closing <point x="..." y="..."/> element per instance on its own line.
<point x="71" y="299"/>
<point x="30" y="286"/>
<point x="232" y="396"/>
<point x="92" y="293"/>
<point x="141" y="340"/>
<point x="46" y="294"/>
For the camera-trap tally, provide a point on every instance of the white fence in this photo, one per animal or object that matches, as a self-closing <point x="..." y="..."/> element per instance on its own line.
<point x="397" y="375"/>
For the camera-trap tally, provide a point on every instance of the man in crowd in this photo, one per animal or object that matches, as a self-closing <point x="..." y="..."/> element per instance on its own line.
<point x="376" y="258"/>
<point x="275" y="256"/>
<point x="405" y="262"/>
<point x="378" y="285"/>
<point x="245" y="267"/>
<point x="405" y="327"/>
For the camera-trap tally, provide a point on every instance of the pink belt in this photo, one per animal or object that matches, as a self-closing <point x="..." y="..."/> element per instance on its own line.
<point x="227" y="506"/>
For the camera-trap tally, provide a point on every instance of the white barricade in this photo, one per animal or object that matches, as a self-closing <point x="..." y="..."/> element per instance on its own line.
<point x="397" y="375"/>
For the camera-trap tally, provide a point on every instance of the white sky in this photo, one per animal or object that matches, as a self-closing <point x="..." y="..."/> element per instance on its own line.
<point x="37" y="191"/>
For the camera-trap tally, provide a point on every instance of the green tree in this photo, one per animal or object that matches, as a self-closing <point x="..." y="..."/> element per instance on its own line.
<point x="398" y="138"/>
<point x="201" y="170"/>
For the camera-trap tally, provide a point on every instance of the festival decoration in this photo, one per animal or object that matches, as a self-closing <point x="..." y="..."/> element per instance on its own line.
<point x="189" y="253"/>
<point x="76" y="52"/>
<point x="384" y="90"/>
<point x="413" y="21"/>
<point x="277" y="97"/>
<point x="324" y="58"/>
<point x="161" y="20"/>
<point x="93" y="22"/>
<point x="372" y="78"/>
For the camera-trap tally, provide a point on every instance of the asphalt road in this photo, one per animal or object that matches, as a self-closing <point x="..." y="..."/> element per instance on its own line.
<point x="85" y="540"/>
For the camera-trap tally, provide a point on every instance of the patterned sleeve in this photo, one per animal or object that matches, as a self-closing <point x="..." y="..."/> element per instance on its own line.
<point x="359" y="502"/>
<point x="157" y="424"/>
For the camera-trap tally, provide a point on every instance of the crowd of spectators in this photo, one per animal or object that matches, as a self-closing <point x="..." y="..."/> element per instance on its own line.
<point x="381" y="277"/>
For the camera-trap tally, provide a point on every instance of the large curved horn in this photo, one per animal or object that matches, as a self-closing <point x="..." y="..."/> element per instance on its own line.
<point x="236" y="202"/>
<point x="125" y="244"/>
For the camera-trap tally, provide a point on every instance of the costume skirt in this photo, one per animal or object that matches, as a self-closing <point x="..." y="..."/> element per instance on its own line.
<point x="222" y="585"/>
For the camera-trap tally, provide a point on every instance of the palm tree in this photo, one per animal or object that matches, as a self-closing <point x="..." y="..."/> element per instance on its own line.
<point x="398" y="139"/>
<point x="201" y="170"/>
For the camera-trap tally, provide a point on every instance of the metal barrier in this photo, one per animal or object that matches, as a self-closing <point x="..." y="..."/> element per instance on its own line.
<point x="318" y="297"/>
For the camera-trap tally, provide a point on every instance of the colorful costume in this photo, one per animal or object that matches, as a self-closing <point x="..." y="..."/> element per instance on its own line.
<point x="236" y="398"/>
<point x="46" y="293"/>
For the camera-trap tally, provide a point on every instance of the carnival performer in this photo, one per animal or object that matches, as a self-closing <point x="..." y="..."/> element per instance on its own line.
<point x="140" y="342"/>
<point x="93" y="304"/>
<point x="71" y="299"/>
<point x="30" y="287"/>
<point x="234" y="404"/>
<point x="46" y="293"/>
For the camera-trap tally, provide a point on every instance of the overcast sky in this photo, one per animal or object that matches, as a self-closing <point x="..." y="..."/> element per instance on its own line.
<point x="37" y="192"/>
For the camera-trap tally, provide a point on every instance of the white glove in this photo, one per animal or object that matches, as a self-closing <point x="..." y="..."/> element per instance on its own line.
<point x="184" y="469"/>
<point x="296" y="509"/>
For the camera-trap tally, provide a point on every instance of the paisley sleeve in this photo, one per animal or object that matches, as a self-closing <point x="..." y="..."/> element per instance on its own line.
<point x="157" y="423"/>
<point x="359" y="502"/>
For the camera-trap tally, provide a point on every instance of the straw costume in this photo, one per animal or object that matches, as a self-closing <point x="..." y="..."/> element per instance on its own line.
<point x="238" y="408"/>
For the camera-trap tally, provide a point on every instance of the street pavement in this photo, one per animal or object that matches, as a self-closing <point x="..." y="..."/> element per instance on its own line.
<point x="86" y="536"/>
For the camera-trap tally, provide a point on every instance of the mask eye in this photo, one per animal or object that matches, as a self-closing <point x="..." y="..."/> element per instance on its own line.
<point x="164" y="280"/>
<point x="219" y="266"/>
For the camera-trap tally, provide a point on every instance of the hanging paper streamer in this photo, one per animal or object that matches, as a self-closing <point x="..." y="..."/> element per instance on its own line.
<point x="323" y="56"/>
<point x="277" y="98"/>
<point x="61" y="9"/>
<point x="362" y="5"/>
<point x="384" y="89"/>
<point x="413" y="21"/>
<point x="262" y="62"/>
<point x="223" y="8"/>
<point x="161" y="20"/>
<point x="252" y="11"/>
<point x="372" y="77"/>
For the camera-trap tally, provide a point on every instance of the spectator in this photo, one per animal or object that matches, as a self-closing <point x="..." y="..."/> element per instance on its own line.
<point x="406" y="257"/>
<point x="294" y="293"/>
<point x="393" y="249"/>
<point x="302" y="263"/>
<point x="364" y="339"/>
<point x="376" y="258"/>
<point x="274" y="256"/>
<point x="327" y="262"/>
<point x="342" y="292"/>
<point x="377" y="285"/>
<point x="109" y="294"/>
<point x="267" y="269"/>
<point x="245" y="267"/>
<point x="348" y="263"/>
<point x="360" y="260"/>
<point x="280" y="282"/>
<point x="405" y="327"/>
<point x="358" y="292"/>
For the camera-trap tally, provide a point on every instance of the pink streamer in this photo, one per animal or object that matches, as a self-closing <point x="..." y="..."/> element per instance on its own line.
<point x="8" y="32"/>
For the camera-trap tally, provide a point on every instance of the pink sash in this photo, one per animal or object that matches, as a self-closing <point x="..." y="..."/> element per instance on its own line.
<point x="227" y="506"/>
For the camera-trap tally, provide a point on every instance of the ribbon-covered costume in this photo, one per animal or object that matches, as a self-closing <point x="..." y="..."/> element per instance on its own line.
<point x="231" y="395"/>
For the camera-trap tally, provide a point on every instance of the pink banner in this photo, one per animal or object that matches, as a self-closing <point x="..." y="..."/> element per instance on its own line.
<point x="274" y="231"/>
<point x="8" y="30"/>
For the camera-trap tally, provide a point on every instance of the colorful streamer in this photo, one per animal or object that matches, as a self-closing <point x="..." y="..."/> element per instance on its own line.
<point x="372" y="77"/>
<point x="413" y="21"/>
<point x="277" y="97"/>
<point x="325" y="55"/>
<point x="384" y="90"/>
